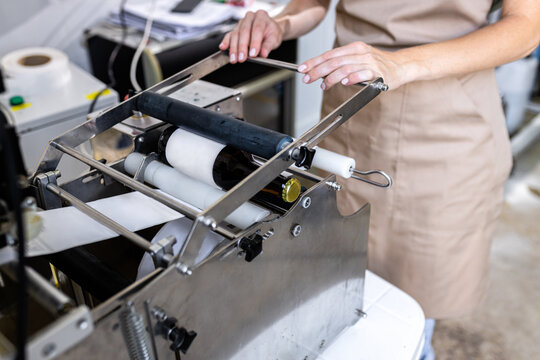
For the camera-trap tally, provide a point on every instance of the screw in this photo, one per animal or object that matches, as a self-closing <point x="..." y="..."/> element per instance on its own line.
<point x="82" y="324"/>
<point x="183" y="269"/>
<point x="296" y="230"/>
<point x="306" y="202"/>
<point x="29" y="203"/>
<point x="360" y="313"/>
<point x="159" y="313"/>
<point x="210" y="222"/>
<point x="268" y="234"/>
<point x="333" y="185"/>
<point x="48" y="350"/>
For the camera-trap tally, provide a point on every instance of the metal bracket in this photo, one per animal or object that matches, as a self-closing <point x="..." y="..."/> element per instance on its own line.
<point x="139" y="174"/>
<point x="162" y="251"/>
<point x="47" y="200"/>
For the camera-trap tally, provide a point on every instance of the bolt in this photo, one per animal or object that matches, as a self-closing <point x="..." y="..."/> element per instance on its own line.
<point x="48" y="350"/>
<point x="218" y="108"/>
<point x="29" y="203"/>
<point x="210" y="222"/>
<point x="268" y="234"/>
<point x="360" y="313"/>
<point x="159" y="313"/>
<point x="333" y="185"/>
<point x="183" y="269"/>
<point x="82" y="324"/>
<point x="306" y="202"/>
<point x="296" y="230"/>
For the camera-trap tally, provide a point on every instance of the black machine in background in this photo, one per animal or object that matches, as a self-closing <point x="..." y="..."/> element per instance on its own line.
<point x="175" y="55"/>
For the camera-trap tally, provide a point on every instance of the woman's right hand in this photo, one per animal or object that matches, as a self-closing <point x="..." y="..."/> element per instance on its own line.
<point x="255" y="35"/>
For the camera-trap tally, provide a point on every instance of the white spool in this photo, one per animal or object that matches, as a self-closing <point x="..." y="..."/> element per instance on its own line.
<point x="333" y="162"/>
<point x="191" y="191"/>
<point x="36" y="70"/>
<point x="193" y="155"/>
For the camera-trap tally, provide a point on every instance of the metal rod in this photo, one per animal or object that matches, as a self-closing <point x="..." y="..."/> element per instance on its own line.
<point x="135" y="185"/>
<point x="278" y="64"/>
<point x="371" y="172"/>
<point x="42" y="291"/>
<point x="99" y="217"/>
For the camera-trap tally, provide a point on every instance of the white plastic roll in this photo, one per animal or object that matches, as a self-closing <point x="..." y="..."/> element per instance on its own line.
<point x="35" y="70"/>
<point x="333" y="162"/>
<point x="193" y="155"/>
<point x="191" y="191"/>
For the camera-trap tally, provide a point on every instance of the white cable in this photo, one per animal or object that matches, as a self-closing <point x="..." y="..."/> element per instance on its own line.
<point x="141" y="47"/>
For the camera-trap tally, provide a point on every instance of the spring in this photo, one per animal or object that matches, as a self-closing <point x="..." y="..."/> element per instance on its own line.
<point x="134" y="332"/>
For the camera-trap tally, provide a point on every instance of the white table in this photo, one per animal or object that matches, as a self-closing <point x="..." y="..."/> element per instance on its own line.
<point x="392" y="330"/>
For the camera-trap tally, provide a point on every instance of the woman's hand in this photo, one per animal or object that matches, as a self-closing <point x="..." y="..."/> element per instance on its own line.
<point x="255" y="35"/>
<point x="355" y="63"/>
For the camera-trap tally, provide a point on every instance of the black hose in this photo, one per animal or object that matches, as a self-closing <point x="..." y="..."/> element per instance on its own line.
<point x="112" y="58"/>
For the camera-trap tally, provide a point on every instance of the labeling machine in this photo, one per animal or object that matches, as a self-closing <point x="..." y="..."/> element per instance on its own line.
<point x="280" y="284"/>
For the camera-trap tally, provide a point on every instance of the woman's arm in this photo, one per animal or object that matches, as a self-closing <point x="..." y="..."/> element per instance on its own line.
<point x="261" y="34"/>
<point x="511" y="38"/>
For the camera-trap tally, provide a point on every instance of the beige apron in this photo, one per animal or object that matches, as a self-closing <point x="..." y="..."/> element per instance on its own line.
<point x="445" y="145"/>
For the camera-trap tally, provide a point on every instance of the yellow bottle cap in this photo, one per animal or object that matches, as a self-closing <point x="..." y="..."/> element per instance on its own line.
<point x="291" y="190"/>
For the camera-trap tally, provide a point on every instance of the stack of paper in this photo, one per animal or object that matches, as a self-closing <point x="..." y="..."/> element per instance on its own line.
<point x="204" y="18"/>
<point x="209" y="16"/>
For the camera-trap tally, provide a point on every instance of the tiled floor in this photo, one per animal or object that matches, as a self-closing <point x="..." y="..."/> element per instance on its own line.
<point x="507" y="326"/>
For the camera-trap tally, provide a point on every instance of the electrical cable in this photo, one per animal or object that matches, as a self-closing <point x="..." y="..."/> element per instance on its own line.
<point x="12" y="178"/>
<point x="140" y="48"/>
<point x="112" y="58"/>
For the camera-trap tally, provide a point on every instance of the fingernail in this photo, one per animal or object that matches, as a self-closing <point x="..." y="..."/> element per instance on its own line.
<point x="241" y="56"/>
<point x="252" y="52"/>
<point x="302" y="68"/>
<point x="323" y="86"/>
<point x="233" y="58"/>
<point x="221" y="45"/>
<point x="345" y="81"/>
<point x="306" y="79"/>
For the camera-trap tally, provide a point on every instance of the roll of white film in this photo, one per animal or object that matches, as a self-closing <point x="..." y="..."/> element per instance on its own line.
<point x="192" y="191"/>
<point x="35" y="70"/>
<point x="193" y="155"/>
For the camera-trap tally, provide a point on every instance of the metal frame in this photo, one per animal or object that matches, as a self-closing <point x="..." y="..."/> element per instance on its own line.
<point x="242" y="192"/>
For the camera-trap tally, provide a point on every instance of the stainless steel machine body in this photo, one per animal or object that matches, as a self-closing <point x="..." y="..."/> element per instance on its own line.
<point x="287" y="301"/>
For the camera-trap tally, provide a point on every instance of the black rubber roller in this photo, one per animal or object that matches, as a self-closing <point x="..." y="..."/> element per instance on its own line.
<point x="221" y="128"/>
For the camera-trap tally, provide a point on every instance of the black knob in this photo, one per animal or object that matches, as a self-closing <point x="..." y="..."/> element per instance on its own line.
<point x="251" y="246"/>
<point x="180" y="338"/>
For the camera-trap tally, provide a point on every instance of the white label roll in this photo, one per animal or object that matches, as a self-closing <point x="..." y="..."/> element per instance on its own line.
<point x="193" y="155"/>
<point x="191" y="191"/>
<point x="31" y="71"/>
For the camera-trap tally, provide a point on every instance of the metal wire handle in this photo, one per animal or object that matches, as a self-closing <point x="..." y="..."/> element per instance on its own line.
<point x="370" y="172"/>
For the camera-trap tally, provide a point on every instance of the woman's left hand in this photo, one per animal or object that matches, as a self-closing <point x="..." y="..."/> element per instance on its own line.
<point x="355" y="63"/>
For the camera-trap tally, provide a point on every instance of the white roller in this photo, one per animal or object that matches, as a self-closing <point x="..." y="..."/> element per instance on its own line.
<point x="193" y="155"/>
<point x="191" y="191"/>
<point x="332" y="162"/>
